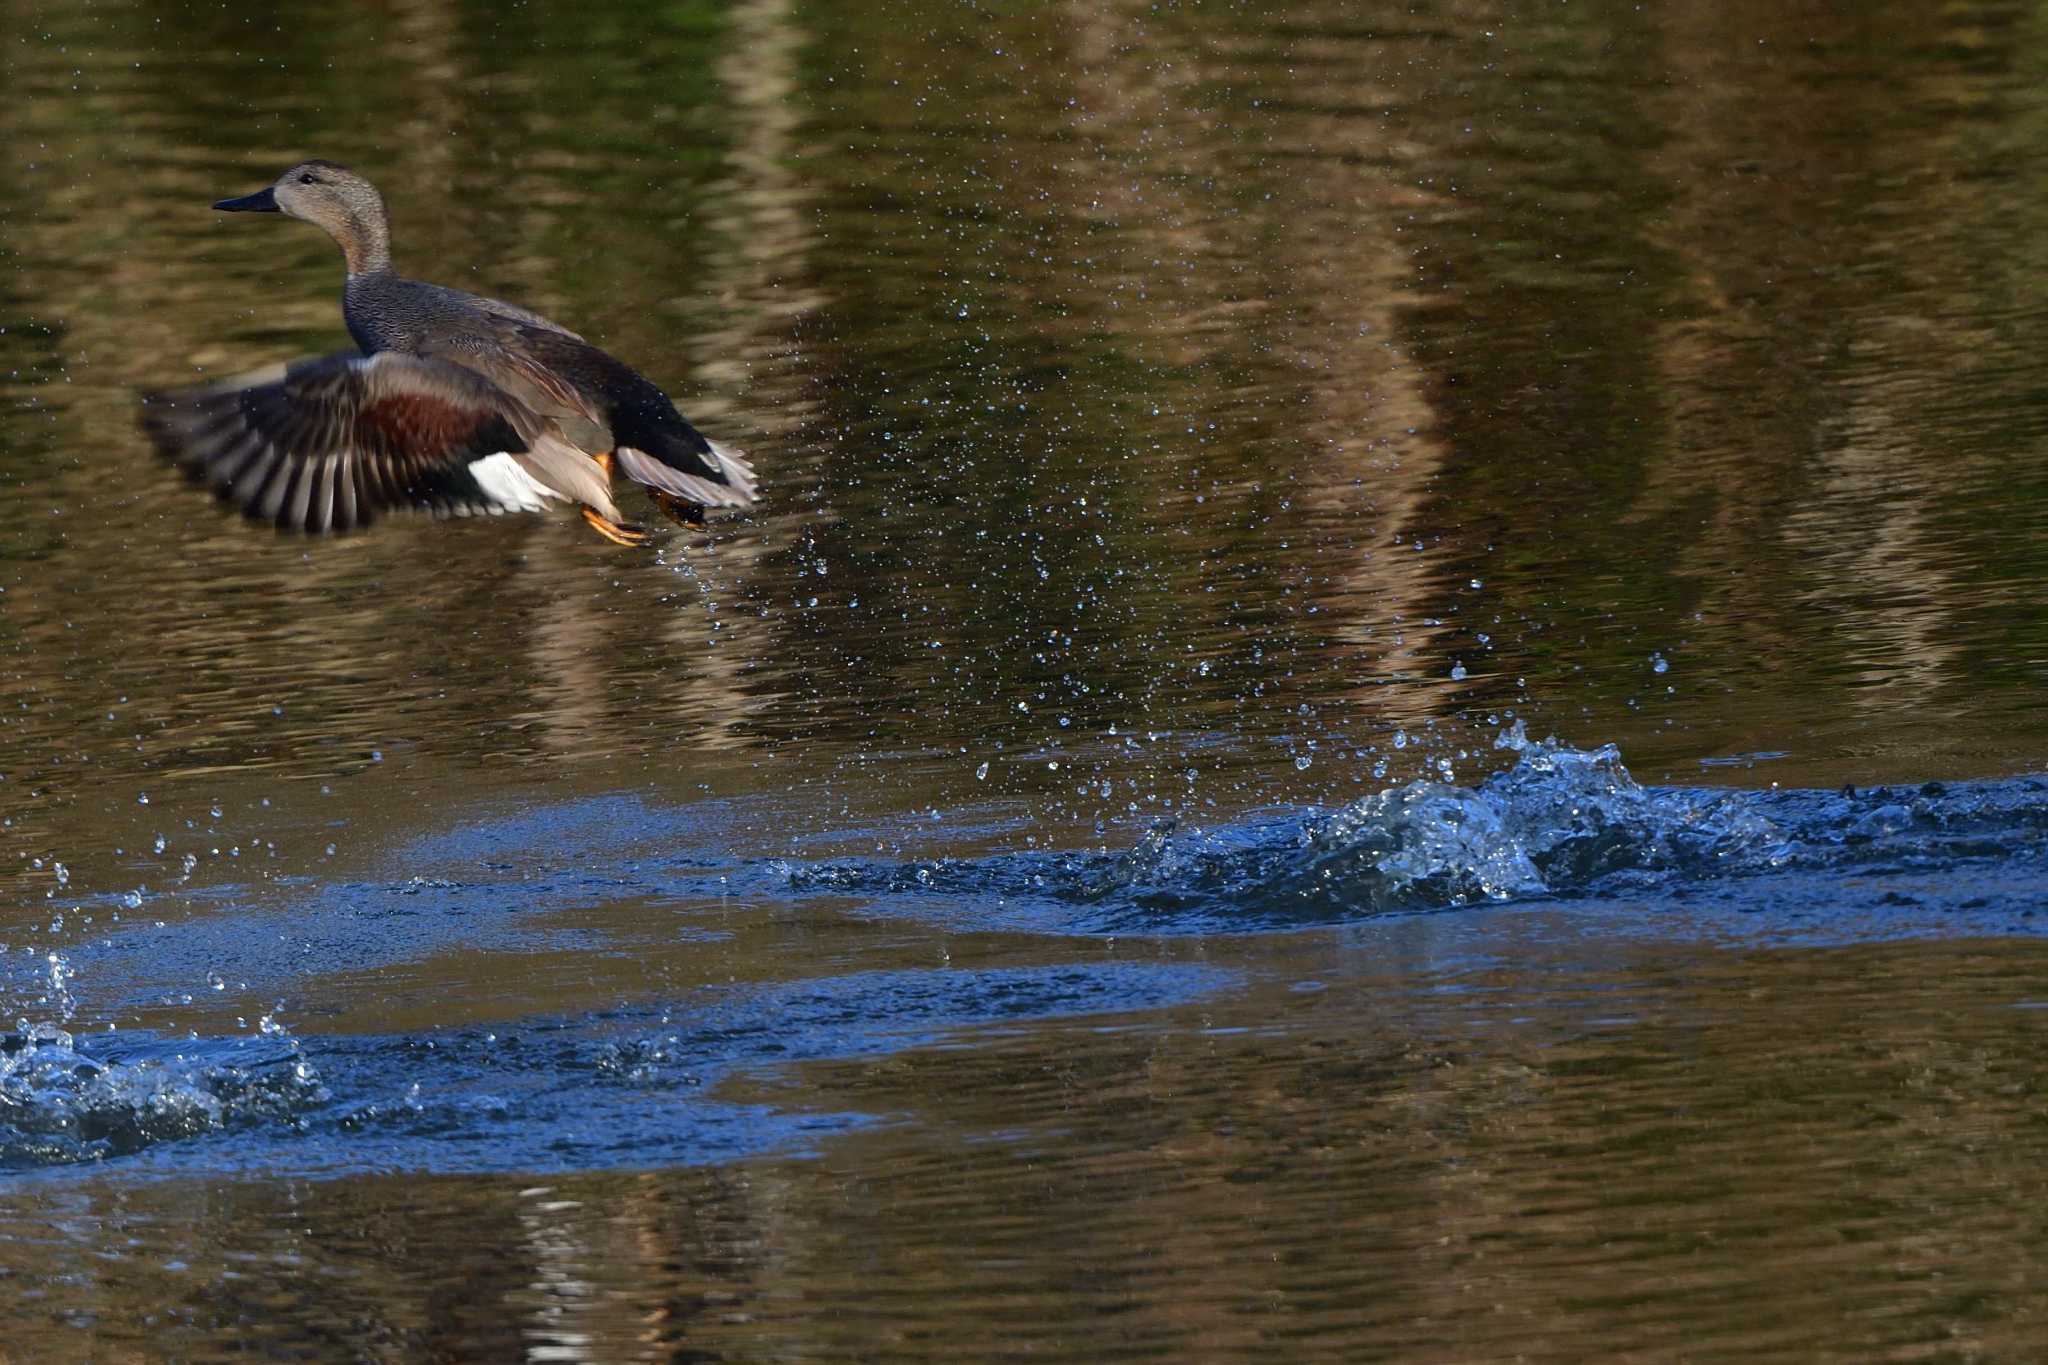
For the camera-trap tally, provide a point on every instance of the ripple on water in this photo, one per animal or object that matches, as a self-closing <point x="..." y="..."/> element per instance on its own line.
<point x="621" y="1089"/>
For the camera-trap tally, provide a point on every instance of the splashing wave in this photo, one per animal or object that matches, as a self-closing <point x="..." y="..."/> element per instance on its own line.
<point x="64" y="1100"/>
<point x="1559" y="823"/>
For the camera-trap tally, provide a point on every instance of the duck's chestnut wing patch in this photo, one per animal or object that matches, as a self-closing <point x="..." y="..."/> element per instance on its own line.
<point x="328" y="444"/>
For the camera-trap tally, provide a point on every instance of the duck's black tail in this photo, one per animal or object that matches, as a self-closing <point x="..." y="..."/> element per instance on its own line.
<point x="657" y="446"/>
<point x="714" y="476"/>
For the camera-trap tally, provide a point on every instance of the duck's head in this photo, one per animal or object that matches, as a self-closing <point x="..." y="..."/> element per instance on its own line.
<point x="329" y="196"/>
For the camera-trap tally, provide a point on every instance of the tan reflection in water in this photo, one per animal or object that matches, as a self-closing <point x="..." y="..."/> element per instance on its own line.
<point x="1344" y="419"/>
<point x="756" y="270"/>
<point x="1799" y="391"/>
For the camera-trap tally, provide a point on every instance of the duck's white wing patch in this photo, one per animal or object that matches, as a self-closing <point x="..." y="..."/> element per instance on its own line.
<point x="507" y="486"/>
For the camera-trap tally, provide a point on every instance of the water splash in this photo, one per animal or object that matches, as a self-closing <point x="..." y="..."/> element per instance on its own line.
<point x="1558" y="820"/>
<point x="1559" y="823"/>
<point x="1559" y="826"/>
<point x="66" y="1100"/>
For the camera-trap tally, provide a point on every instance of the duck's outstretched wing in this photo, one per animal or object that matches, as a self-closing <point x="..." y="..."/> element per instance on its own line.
<point x="329" y="443"/>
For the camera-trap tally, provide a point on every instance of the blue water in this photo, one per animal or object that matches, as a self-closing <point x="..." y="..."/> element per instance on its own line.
<point x="623" y="1088"/>
<point x="1561" y="840"/>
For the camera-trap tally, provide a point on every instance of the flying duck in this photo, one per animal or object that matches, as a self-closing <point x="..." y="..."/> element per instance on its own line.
<point x="455" y="404"/>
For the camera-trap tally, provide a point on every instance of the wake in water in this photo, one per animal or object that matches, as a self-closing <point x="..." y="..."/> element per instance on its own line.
<point x="1563" y="830"/>
<point x="1560" y="823"/>
<point x="614" y="1088"/>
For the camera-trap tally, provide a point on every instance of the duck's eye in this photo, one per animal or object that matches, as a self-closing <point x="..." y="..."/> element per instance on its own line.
<point x="308" y="178"/>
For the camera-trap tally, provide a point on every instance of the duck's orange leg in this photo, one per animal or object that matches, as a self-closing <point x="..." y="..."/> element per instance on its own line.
<point x="612" y="531"/>
<point x="604" y="526"/>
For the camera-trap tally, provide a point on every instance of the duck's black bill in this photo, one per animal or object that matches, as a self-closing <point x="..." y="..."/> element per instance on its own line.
<point x="263" y="201"/>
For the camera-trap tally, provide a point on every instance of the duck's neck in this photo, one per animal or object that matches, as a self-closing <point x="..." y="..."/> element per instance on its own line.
<point x="365" y="244"/>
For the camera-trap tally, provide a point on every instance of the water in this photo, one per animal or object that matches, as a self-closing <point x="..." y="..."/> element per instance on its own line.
<point x="1385" y="704"/>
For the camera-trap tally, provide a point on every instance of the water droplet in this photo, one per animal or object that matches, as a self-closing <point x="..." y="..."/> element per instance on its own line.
<point x="981" y="773"/>
<point x="1301" y="762"/>
<point x="1457" y="672"/>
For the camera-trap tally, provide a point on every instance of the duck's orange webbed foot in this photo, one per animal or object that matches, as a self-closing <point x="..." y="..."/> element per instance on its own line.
<point x="613" y="531"/>
<point x="681" y="511"/>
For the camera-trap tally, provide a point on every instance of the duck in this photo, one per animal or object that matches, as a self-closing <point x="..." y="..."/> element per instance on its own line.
<point x="452" y="404"/>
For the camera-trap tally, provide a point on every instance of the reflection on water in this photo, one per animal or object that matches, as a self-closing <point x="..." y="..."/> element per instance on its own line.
<point x="1536" y="1161"/>
<point x="1264" y="375"/>
<point x="1170" y="416"/>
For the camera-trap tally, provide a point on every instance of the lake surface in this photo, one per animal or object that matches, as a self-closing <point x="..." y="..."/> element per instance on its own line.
<point x="1386" y="702"/>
